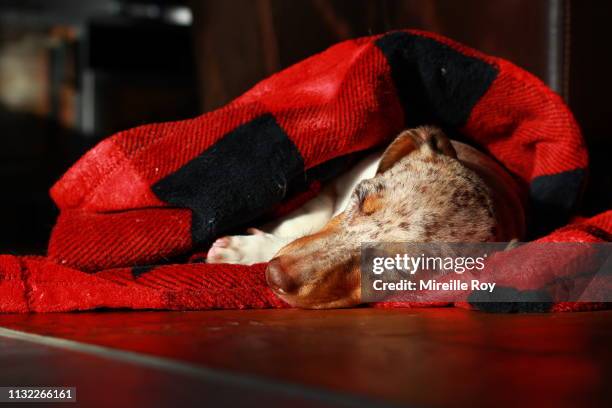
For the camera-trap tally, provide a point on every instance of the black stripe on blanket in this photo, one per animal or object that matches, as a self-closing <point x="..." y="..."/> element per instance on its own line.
<point x="139" y="270"/>
<point x="435" y="83"/>
<point x="509" y="300"/>
<point x="553" y="199"/>
<point x="235" y="180"/>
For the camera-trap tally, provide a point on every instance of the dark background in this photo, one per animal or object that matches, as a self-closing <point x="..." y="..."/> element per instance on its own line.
<point x="74" y="71"/>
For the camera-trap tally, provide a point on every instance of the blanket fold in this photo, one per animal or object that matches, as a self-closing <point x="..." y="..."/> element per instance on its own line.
<point x="157" y="194"/>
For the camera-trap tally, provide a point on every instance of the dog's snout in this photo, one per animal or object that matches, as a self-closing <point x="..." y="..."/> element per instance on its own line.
<point x="279" y="279"/>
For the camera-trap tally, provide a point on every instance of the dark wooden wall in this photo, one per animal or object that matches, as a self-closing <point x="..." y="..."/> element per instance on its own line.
<point x="239" y="42"/>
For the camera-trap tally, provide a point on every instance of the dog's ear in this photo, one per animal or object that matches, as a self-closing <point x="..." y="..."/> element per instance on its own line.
<point x="424" y="137"/>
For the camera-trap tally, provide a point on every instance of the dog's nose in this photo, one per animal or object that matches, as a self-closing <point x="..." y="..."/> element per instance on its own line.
<point x="278" y="279"/>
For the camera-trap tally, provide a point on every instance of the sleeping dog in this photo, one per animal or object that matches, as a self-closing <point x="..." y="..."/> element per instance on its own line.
<point x="422" y="188"/>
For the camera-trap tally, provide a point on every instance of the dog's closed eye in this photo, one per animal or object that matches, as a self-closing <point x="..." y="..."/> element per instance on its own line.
<point x="370" y="204"/>
<point x="368" y="197"/>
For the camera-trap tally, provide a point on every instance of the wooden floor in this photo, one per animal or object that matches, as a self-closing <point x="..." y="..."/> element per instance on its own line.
<point x="426" y="357"/>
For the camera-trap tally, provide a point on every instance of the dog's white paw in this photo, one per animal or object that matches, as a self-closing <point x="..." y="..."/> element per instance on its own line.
<point x="245" y="249"/>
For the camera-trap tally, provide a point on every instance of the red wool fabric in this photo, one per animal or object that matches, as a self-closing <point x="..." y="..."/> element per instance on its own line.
<point x="127" y="206"/>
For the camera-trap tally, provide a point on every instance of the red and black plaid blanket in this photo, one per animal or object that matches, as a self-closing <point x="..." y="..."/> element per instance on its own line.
<point x="139" y="209"/>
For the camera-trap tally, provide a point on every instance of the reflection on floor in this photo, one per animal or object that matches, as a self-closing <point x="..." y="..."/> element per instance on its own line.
<point x="425" y="357"/>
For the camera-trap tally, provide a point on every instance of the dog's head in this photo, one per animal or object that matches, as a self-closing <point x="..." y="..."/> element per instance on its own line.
<point x="421" y="193"/>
